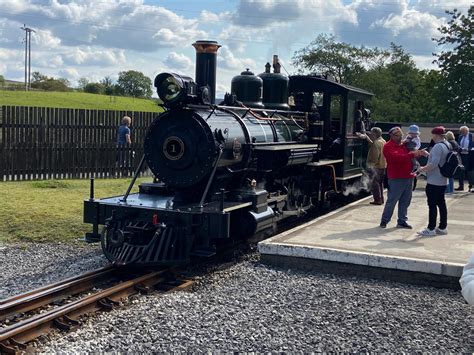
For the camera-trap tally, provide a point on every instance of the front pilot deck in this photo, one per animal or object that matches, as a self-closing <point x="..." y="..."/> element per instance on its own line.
<point x="153" y="202"/>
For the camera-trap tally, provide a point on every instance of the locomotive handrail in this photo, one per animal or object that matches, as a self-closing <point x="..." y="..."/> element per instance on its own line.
<point x="208" y="185"/>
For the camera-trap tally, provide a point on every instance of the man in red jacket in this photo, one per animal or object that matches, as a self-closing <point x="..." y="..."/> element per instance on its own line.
<point x="400" y="178"/>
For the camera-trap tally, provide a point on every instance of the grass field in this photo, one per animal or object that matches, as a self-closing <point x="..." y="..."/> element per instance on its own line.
<point x="76" y="100"/>
<point x="50" y="210"/>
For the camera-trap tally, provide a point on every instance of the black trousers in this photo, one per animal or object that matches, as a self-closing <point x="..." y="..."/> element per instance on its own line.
<point x="435" y="195"/>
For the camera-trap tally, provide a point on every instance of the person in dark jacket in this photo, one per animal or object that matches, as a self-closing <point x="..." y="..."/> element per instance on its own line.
<point x="467" y="145"/>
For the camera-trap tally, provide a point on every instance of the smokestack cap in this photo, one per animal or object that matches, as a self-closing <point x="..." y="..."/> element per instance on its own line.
<point x="206" y="46"/>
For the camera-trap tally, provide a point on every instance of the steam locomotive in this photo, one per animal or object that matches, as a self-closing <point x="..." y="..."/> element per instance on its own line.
<point x="276" y="147"/>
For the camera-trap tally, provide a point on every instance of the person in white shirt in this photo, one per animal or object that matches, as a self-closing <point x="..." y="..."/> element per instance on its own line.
<point x="467" y="281"/>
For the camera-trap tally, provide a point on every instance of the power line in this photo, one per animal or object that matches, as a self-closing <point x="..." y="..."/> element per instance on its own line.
<point x="27" y="56"/>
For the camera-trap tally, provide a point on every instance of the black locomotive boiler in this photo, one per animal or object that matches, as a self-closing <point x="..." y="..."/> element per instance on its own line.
<point x="276" y="147"/>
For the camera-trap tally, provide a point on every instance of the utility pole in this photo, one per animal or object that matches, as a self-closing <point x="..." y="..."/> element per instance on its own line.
<point x="27" y="56"/>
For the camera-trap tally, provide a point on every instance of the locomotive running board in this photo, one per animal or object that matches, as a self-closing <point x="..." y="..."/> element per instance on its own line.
<point x="349" y="177"/>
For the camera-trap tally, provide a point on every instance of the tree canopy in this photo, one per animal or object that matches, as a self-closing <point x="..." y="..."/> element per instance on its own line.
<point x="134" y="83"/>
<point x="46" y="83"/>
<point x="338" y="59"/>
<point x="403" y="92"/>
<point x="456" y="62"/>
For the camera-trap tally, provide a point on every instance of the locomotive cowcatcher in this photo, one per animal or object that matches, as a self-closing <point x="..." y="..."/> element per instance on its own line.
<point x="276" y="147"/>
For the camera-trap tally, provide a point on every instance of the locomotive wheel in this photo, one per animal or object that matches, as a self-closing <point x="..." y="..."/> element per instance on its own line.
<point x="113" y="235"/>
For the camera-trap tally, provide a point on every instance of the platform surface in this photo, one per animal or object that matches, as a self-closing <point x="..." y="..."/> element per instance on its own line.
<point x="352" y="235"/>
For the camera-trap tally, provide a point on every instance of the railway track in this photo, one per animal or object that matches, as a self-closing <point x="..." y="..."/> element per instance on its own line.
<point x="31" y="318"/>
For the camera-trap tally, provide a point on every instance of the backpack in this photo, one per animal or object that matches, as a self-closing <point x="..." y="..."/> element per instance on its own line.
<point x="453" y="163"/>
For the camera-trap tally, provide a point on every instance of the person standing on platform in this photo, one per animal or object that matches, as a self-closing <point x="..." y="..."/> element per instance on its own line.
<point x="376" y="163"/>
<point x="436" y="184"/>
<point x="400" y="178"/>
<point x="466" y="145"/>
<point x="455" y="146"/>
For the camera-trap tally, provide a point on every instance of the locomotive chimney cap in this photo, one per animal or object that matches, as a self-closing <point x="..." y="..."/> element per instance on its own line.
<point x="206" y="46"/>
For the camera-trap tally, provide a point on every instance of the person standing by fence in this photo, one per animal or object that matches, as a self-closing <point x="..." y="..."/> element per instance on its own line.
<point x="123" y="141"/>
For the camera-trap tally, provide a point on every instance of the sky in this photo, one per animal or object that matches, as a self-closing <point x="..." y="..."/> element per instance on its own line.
<point x="93" y="39"/>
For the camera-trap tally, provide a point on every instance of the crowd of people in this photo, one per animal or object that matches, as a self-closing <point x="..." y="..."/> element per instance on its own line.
<point x="397" y="162"/>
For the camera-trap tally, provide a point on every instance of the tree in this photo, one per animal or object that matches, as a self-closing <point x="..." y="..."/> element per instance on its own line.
<point x="341" y="60"/>
<point x="2" y="80"/>
<point x="37" y="76"/>
<point x="94" y="88"/>
<point x="82" y="83"/>
<point x="46" y="83"/>
<point x="134" y="83"/>
<point x="457" y="62"/>
<point x="108" y="85"/>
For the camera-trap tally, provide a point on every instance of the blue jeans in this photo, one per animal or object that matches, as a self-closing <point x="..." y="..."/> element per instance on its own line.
<point x="450" y="186"/>
<point x="399" y="191"/>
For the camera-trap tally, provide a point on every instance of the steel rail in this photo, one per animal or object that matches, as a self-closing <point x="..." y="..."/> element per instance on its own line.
<point x="15" y="337"/>
<point x="45" y="295"/>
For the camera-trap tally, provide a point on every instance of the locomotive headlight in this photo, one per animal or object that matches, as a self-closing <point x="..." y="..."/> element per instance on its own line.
<point x="174" y="89"/>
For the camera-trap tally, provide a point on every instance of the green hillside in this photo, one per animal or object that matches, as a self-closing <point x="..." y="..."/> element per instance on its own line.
<point x="76" y="100"/>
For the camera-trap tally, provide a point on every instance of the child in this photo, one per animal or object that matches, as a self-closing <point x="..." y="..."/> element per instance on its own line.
<point x="412" y="142"/>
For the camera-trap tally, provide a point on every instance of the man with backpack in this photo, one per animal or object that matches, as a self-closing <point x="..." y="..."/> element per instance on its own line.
<point x="442" y="162"/>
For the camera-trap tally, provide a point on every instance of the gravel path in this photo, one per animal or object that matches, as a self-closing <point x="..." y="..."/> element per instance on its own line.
<point x="249" y="307"/>
<point x="27" y="266"/>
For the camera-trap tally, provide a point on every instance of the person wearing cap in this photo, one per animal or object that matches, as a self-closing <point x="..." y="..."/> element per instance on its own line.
<point x="436" y="184"/>
<point x="400" y="178"/>
<point x="466" y="146"/>
<point x="412" y="142"/>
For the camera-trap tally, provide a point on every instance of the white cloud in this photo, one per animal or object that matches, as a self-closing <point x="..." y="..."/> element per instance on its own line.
<point x="87" y="56"/>
<point x="46" y="60"/>
<point x="417" y="23"/>
<point x="177" y="61"/>
<point x="70" y="73"/>
<point x="45" y="39"/>
<point x="227" y="60"/>
<point x="208" y="17"/>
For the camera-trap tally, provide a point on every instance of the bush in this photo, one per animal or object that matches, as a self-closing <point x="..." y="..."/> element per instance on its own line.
<point x="94" y="88"/>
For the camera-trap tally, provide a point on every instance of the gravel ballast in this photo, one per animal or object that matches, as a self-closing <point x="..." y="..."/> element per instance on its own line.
<point x="27" y="266"/>
<point x="251" y="307"/>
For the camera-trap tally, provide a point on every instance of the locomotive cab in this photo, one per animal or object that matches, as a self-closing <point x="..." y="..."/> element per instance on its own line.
<point x="341" y="108"/>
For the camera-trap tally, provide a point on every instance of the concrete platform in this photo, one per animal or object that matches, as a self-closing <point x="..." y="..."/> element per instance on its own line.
<point x="352" y="236"/>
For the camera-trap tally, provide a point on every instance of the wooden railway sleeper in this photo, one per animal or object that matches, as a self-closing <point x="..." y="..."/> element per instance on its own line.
<point x="144" y="289"/>
<point x="107" y="304"/>
<point x="65" y="323"/>
<point x="11" y="346"/>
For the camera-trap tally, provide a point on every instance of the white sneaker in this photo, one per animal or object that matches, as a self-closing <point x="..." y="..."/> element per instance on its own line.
<point x="441" y="231"/>
<point x="427" y="232"/>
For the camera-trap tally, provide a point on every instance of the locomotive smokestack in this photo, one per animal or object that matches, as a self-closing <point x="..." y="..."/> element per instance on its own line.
<point x="206" y="62"/>
<point x="276" y="64"/>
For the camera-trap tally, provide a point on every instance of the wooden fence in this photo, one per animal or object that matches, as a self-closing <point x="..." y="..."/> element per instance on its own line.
<point x="52" y="143"/>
